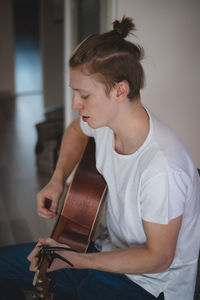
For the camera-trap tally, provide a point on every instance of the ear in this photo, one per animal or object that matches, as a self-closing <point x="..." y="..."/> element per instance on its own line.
<point x="122" y="90"/>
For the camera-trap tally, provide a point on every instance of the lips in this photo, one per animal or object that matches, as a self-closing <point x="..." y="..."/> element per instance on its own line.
<point x="85" y="118"/>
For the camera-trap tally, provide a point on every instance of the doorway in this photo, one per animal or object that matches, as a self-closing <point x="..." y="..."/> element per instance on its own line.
<point x="28" y="77"/>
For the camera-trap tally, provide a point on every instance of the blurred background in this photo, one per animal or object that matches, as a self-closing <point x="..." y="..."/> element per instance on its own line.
<point x="36" y="39"/>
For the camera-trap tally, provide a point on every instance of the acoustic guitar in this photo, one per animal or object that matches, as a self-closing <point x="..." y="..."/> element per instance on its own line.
<point x="75" y="225"/>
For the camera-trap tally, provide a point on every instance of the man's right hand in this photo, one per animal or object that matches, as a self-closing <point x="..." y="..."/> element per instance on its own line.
<point x="72" y="147"/>
<point x="51" y="193"/>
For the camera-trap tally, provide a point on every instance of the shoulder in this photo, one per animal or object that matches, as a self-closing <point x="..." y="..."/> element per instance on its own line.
<point x="166" y="150"/>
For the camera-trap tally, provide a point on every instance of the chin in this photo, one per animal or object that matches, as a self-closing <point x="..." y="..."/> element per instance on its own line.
<point x="94" y="126"/>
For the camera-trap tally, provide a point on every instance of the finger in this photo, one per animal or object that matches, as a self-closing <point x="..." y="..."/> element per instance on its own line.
<point x="48" y="241"/>
<point x="42" y="241"/>
<point x="46" y="213"/>
<point x="54" y="207"/>
<point x="33" y="264"/>
<point x="47" y="203"/>
<point x="34" y="252"/>
<point x="41" y="202"/>
<point x="51" y="205"/>
<point x="43" y="208"/>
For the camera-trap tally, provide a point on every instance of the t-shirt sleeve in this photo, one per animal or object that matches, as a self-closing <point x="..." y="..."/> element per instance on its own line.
<point x="86" y="128"/>
<point x="163" y="197"/>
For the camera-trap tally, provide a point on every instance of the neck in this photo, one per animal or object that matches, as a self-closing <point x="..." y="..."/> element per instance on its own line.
<point x="131" y="127"/>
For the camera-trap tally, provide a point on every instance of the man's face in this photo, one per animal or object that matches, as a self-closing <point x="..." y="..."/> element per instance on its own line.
<point x="90" y="99"/>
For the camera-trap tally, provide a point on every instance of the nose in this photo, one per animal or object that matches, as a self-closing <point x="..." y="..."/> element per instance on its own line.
<point x="77" y="103"/>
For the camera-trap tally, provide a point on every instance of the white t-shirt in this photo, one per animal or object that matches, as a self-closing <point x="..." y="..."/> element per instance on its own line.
<point x="156" y="183"/>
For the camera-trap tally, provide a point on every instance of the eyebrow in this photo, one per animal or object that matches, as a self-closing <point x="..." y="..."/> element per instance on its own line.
<point x="78" y="90"/>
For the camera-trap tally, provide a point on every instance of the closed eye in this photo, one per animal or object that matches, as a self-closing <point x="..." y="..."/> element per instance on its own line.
<point x="85" y="97"/>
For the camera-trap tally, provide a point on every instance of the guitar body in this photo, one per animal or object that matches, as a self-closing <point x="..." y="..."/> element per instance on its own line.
<point x="81" y="206"/>
<point x="85" y="195"/>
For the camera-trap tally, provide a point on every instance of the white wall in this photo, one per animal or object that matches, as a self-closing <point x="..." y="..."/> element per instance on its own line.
<point x="169" y="31"/>
<point x="70" y="42"/>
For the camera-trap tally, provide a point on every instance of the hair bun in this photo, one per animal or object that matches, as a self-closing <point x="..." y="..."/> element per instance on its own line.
<point x="124" y="27"/>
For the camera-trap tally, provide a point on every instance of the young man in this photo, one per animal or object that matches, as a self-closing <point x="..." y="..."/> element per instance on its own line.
<point x="151" y="241"/>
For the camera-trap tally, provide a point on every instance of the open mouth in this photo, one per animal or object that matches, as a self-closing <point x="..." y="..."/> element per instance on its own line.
<point x="85" y="118"/>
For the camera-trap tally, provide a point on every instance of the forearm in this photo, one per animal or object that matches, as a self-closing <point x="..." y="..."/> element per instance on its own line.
<point x="154" y="256"/>
<point x="72" y="146"/>
<point x="135" y="260"/>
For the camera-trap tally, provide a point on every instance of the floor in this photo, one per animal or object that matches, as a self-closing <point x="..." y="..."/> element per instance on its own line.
<point x="19" y="179"/>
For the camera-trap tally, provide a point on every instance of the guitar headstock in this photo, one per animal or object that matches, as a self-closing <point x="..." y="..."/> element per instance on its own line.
<point x="43" y="287"/>
<point x="43" y="282"/>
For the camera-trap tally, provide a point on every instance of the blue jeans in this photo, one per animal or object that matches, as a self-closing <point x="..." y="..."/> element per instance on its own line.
<point x="69" y="283"/>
